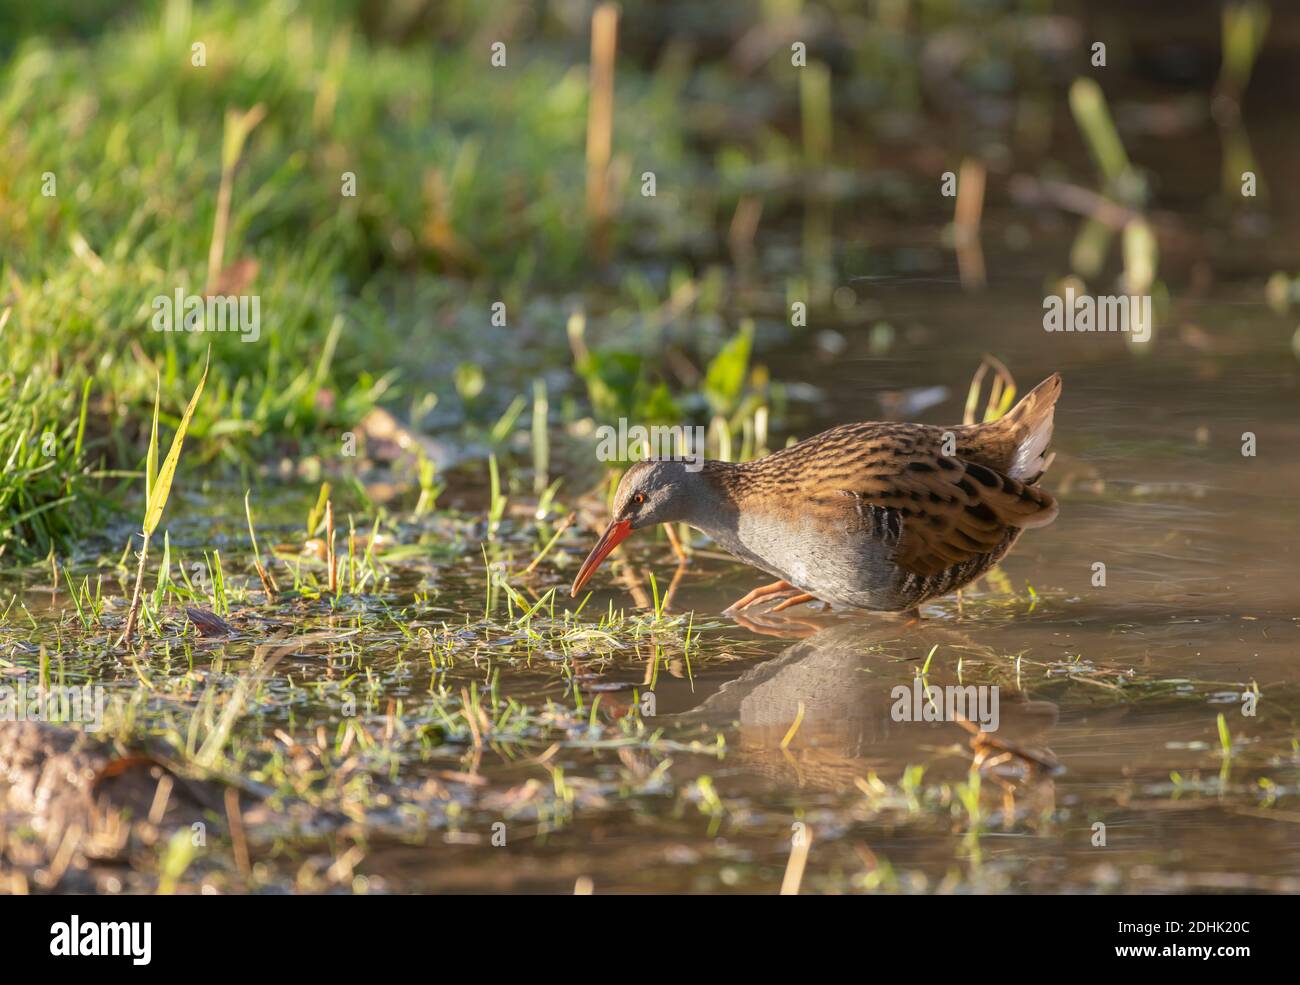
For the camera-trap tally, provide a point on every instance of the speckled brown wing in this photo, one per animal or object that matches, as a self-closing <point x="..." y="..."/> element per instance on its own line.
<point x="948" y="509"/>
<point x="951" y="509"/>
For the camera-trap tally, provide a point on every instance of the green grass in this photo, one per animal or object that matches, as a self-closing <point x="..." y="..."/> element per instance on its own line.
<point x="464" y="184"/>
<point x="44" y="479"/>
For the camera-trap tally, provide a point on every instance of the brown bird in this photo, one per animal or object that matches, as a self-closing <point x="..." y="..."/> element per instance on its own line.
<point x="880" y="515"/>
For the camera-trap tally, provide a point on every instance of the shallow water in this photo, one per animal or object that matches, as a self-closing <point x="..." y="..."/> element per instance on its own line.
<point x="1123" y="683"/>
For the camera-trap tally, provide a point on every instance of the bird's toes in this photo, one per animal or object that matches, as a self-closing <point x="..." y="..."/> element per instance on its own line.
<point x="798" y="599"/>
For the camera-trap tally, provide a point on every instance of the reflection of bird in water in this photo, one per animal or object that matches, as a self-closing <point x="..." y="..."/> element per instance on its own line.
<point x="839" y="685"/>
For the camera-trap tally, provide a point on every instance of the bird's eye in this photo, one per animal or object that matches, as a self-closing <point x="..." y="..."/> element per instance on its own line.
<point x="639" y="498"/>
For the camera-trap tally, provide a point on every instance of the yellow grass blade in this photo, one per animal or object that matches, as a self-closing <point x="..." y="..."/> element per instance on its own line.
<point x="162" y="487"/>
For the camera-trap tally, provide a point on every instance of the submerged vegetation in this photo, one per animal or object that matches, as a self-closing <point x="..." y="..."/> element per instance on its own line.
<point x="309" y="733"/>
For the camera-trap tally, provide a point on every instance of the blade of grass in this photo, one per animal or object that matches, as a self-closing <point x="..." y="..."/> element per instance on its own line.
<point x="157" y="498"/>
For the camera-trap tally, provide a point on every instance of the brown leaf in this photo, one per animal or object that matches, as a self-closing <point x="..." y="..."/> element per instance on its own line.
<point x="208" y="623"/>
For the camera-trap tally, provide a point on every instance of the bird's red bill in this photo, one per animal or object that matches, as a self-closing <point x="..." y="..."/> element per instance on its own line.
<point x="614" y="535"/>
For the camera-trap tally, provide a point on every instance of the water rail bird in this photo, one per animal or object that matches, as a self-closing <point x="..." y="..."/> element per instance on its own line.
<point x="879" y="515"/>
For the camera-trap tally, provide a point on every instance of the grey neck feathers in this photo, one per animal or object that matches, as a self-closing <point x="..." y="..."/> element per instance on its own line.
<point x="706" y="500"/>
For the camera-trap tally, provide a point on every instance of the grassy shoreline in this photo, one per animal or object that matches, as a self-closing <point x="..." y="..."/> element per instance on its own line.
<point x="113" y="156"/>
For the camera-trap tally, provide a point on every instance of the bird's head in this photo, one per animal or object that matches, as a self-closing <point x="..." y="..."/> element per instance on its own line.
<point x="649" y="493"/>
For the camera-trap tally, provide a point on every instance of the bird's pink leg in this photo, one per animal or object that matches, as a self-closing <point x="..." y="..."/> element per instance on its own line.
<point x="799" y="599"/>
<point x="763" y="591"/>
